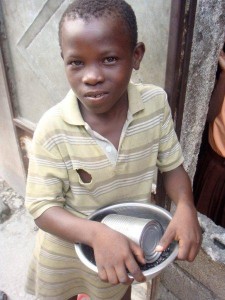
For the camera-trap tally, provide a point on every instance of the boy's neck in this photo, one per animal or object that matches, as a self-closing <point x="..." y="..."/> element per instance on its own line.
<point x="109" y="124"/>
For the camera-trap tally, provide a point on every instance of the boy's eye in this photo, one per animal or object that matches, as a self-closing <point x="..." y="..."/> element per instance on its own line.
<point x="110" y="60"/>
<point x="76" y="63"/>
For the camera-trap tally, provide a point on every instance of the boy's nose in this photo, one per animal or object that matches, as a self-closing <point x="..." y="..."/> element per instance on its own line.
<point x="93" y="75"/>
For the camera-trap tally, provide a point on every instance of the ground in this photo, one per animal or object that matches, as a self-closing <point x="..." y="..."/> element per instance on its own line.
<point x="17" y="234"/>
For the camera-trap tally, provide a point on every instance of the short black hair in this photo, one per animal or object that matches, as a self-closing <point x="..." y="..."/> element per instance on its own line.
<point x="86" y="9"/>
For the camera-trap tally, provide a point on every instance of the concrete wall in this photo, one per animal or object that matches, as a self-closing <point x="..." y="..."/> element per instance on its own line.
<point x="209" y="34"/>
<point x="204" y="278"/>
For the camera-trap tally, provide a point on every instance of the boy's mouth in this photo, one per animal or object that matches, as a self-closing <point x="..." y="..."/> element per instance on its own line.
<point x="95" y="95"/>
<point x="98" y="96"/>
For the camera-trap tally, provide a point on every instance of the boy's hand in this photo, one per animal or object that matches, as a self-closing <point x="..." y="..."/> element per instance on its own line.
<point x="184" y="228"/>
<point x="115" y="256"/>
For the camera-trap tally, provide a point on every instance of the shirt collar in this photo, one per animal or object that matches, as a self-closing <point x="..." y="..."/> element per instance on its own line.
<point x="71" y="112"/>
<point x="134" y="98"/>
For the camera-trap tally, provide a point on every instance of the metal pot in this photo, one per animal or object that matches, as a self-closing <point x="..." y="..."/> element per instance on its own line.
<point x="139" y="210"/>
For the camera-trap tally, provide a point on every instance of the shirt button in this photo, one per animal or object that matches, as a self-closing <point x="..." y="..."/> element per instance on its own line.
<point x="108" y="149"/>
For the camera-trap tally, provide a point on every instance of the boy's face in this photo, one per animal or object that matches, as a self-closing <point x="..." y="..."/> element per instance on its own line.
<point x="99" y="59"/>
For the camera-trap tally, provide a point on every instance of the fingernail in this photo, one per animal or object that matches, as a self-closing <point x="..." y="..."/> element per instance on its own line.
<point x="159" y="248"/>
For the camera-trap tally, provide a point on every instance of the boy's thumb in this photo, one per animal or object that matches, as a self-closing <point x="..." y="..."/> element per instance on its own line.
<point x="164" y="242"/>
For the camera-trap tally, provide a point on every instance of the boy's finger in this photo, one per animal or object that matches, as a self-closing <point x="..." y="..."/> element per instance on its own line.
<point x="192" y="254"/>
<point x="183" y="251"/>
<point x="122" y="275"/>
<point x="138" y="253"/>
<point x="102" y="274"/>
<point x="165" y="241"/>
<point x="188" y="251"/>
<point x="112" y="276"/>
<point x="134" y="270"/>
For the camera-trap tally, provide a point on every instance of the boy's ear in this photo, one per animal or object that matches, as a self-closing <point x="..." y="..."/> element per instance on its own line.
<point x="138" y="54"/>
<point x="61" y="54"/>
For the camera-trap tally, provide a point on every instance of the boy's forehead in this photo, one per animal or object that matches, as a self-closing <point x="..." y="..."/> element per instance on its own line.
<point x="95" y="24"/>
<point x="103" y="33"/>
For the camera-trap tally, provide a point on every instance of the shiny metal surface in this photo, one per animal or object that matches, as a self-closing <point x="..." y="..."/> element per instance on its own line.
<point x="145" y="232"/>
<point x="139" y="210"/>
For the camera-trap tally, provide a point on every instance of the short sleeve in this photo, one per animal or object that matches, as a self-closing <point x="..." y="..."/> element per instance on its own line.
<point x="170" y="153"/>
<point x="46" y="180"/>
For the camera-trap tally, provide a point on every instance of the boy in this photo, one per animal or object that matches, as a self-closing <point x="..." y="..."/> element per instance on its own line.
<point x="99" y="146"/>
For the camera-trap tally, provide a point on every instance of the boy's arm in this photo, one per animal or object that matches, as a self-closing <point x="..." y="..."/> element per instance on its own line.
<point x="184" y="226"/>
<point x="218" y="92"/>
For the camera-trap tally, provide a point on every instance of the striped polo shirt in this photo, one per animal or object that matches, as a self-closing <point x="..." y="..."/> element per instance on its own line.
<point x="63" y="144"/>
